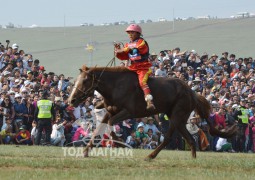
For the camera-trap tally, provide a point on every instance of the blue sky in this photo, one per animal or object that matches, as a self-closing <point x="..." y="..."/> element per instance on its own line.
<point x="52" y="12"/>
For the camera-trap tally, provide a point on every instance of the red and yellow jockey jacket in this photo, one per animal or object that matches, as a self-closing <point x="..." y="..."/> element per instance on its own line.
<point x="137" y="52"/>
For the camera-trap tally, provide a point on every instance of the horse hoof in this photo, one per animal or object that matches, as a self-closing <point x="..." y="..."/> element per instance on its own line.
<point x="148" y="158"/>
<point x="86" y="155"/>
<point x="150" y="107"/>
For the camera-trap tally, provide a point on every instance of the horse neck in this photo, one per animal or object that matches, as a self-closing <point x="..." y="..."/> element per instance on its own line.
<point x="106" y="82"/>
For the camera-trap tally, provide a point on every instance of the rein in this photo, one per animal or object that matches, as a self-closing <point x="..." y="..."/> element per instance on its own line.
<point x="112" y="61"/>
<point x="93" y="85"/>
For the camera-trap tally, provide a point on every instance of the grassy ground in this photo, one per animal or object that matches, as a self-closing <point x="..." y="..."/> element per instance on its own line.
<point x="25" y="162"/>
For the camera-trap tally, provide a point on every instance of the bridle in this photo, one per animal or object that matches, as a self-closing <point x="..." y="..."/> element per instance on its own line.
<point x="89" y="90"/>
<point x="94" y="85"/>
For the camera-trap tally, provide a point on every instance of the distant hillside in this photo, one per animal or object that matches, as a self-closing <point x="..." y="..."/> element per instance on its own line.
<point x="63" y="49"/>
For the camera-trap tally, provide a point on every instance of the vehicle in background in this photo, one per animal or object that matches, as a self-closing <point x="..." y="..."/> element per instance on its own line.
<point x="132" y="22"/>
<point x="123" y="23"/>
<point x="84" y="24"/>
<point x="162" y="19"/>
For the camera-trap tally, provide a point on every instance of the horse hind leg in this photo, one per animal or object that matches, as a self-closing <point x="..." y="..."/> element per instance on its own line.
<point x="180" y="121"/>
<point x="164" y="143"/>
<point x="190" y="140"/>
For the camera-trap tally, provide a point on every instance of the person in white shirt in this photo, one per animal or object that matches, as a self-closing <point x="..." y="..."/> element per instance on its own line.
<point x="131" y="141"/>
<point x="223" y="145"/>
<point x="80" y="111"/>
<point x="57" y="135"/>
<point x="160" y="72"/>
<point x="152" y="126"/>
<point x="33" y="132"/>
<point x="144" y="124"/>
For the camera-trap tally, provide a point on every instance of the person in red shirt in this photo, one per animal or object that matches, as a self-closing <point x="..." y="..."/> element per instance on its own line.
<point x="137" y="51"/>
<point x="220" y="120"/>
<point x="23" y="137"/>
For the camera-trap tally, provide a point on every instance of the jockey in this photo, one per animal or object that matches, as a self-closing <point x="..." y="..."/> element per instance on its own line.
<point x="137" y="51"/>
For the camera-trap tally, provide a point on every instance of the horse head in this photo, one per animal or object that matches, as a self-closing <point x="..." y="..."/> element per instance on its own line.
<point x="83" y="88"/>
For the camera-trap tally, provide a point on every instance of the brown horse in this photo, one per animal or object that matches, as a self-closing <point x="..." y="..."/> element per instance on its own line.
<point x="121" y="92"/>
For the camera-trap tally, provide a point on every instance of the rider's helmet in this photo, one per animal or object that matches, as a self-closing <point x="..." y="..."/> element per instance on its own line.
<point x="135" y="28"/>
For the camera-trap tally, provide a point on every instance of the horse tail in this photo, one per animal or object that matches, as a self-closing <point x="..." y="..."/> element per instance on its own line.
<point x="203" y="109"/>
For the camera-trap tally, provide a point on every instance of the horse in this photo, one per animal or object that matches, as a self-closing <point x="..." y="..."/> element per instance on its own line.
<point x="124" y="99"/>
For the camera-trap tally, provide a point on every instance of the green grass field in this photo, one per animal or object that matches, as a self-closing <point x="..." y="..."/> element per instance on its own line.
<point x="32" y="162"/>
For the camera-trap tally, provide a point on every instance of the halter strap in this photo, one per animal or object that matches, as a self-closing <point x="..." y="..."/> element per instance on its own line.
<point x="111" y="62"/>
<point x="88" y="90"/>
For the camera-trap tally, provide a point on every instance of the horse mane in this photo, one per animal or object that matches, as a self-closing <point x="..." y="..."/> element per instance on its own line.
<point x="106" y="69"/>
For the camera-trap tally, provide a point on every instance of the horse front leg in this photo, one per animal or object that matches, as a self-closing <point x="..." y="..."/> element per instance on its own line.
<point x="95" y="133"/>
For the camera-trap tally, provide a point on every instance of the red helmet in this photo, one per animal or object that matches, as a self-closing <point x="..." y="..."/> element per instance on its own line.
<point x="135" y="28"/>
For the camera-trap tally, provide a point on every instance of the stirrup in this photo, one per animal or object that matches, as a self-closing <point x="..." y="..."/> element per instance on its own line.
<point x="150" y="106"/>
<point x="99" y="105"/>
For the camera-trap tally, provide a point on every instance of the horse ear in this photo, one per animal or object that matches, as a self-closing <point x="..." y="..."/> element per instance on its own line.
<point x="84" y="68"/>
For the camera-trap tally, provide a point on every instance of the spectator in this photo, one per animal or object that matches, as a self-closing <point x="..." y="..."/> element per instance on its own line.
<point x="23" y="137"/>
<point x="144" y="124"/>
<point x="152" y="126"/>
<point x="131" y="140"/>
<point x="160" y="72"/>
<point x="34" y="132"/>
<point x="57" y="135"/>
<point x="224" y="146"/>
<point x="80" y="133"/>
<point x="44" y="113"/>
<point x="7" y="109"/>
<point x="80" y="111"/>
<point x="29" y="113"/>
<point x="193" y="130"/>
<point x="141" y="137"/>
<point x="19" y="109"/>
<point x="253" y="136"/>
<point x="190" y="76"/>
<point x="241" y="116"/>
<point x="220" y="120"/>
<point x="6" y="135"/>
<point x="152" y="142"/>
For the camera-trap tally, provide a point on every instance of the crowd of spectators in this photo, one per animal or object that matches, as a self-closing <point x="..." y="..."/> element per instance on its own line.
<point x="227" y="82"/>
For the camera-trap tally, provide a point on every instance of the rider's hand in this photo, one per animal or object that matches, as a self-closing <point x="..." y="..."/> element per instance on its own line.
<point x="118" y="51"/>
<point x="117" y="45"/>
